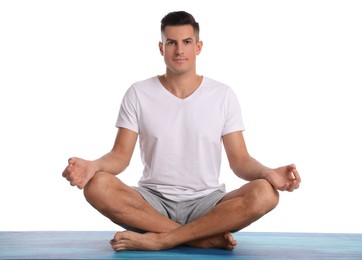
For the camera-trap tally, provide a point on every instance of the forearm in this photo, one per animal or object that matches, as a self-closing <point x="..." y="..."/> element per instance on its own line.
<point x="249" y="169"/>
<point x="111" y="163"/>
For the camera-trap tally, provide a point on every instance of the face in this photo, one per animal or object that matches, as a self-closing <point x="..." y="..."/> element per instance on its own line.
<point x="180" y="48"/>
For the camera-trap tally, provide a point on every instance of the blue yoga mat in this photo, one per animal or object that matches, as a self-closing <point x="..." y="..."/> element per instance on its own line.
<point x="258" y="245"/>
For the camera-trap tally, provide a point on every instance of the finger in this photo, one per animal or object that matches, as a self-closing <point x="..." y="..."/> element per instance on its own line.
<point x="67" y="175"/>
<point x="66" y="171"/>
<point x="291" y="175"/>
<point x="293" y="186"/>
<point x="284" y="187"/>
<point x="296" y="176"/>
<point x="297" y="185"/>
<point x="72" y="160"/>
<point x="293" y="169"/>
<point x="291" y="189"/>
<point x="69" y="178"/>
<point x="80" y="186"/>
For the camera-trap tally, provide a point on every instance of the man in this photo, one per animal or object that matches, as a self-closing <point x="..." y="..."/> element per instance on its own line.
<point x="182" y="119"/>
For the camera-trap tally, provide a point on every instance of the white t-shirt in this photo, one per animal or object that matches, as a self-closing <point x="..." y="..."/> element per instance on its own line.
<point x="180" y="139"/>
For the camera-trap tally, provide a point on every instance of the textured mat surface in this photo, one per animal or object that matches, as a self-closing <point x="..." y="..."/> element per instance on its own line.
<point x="95" y="245"/>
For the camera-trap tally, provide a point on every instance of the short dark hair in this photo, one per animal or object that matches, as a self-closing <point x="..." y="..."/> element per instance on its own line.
<point x="180" y="18"/>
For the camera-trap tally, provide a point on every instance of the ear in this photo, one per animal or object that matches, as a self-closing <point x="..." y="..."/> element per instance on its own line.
<point x="199" y="45"/>
<point x="160" y="46"/>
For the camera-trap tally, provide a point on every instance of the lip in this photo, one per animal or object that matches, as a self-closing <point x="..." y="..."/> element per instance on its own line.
<point x="180" y="59"/>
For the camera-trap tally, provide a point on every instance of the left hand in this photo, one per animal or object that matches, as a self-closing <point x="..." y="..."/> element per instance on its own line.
<point x="285" y="178"/>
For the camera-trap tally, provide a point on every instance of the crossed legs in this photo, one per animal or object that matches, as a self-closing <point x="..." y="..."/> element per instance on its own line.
<point x="125" y="206"/>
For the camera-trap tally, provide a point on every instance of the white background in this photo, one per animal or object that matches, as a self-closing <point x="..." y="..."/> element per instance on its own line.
<point x="296" y="67"/>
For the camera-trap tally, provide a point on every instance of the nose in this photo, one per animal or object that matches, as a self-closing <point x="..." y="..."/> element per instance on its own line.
<point x="179" y="49"/>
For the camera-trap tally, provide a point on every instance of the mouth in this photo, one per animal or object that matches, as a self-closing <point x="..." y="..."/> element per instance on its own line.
<point x="180" y="59"/>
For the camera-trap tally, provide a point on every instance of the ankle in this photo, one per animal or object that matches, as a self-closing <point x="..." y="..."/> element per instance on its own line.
<point x="165" y="241"/>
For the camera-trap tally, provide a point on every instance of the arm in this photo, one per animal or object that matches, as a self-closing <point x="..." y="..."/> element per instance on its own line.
<point x="80" y="171"/>
<point x="247" y="168"/>
<point x="118" y="159"/>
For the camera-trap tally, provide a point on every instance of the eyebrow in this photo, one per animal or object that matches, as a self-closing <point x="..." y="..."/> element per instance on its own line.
<point x="186" y="39"/>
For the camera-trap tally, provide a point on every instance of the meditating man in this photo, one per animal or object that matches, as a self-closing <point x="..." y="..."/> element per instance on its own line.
<point x="182" y="120"/>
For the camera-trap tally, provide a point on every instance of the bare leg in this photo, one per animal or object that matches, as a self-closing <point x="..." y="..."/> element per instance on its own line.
<point x="237" y="210"/>
<point x="124" y="205"/>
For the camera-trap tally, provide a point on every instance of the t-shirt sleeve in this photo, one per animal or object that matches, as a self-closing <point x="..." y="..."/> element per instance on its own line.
<point x="127" y="116"/>
<point x="233" y="119"/>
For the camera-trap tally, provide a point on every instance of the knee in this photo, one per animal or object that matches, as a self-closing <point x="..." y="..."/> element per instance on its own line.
<point x="98" y="185"/>
<point x="266" y="195"/>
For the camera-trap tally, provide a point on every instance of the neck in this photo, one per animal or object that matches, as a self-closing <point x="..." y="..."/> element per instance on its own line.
<point x="182" y="86"/>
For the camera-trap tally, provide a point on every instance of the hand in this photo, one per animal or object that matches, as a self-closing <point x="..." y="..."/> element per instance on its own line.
<point x="284" y="178"/>
<point x="79" y="171"/>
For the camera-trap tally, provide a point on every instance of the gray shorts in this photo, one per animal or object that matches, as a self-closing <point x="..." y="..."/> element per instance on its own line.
<point x="180" y="212"/>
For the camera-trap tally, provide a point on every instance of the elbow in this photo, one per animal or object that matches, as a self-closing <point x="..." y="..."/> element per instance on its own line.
<point x="234" y="164"/>
<point x="236" y="169"/>
<point x="233" y="167"/>
<point x="124" y="165"/>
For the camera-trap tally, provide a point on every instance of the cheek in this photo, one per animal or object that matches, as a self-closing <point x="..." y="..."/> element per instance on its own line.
<point x="192" y="51"/>
<point x="169" y="53"/>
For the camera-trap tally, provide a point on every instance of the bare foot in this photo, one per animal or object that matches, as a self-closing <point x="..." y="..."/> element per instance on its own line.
<point x="128" y="240"/>
<point x="224" y="241"/>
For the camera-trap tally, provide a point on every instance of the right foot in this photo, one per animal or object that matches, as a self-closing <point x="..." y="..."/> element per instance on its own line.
<point x="224" y="241"/>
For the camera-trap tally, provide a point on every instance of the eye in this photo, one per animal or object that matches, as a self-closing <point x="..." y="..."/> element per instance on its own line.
<point x="170" y="43"/>
<point x="188" y="42"/>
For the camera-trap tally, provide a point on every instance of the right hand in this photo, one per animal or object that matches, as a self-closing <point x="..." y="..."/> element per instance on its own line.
<point x="79" y="171"/>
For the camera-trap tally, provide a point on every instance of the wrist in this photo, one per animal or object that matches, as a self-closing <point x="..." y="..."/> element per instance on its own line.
<point x="266" y="173"/>
<point x="96" y="167"/>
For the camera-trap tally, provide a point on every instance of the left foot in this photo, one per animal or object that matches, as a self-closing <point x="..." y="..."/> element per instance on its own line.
<point x="128" y="240"/>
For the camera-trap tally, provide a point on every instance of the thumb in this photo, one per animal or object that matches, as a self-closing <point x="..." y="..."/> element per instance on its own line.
<point x="72" y="160"/>
<point x="291" y="167"/>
